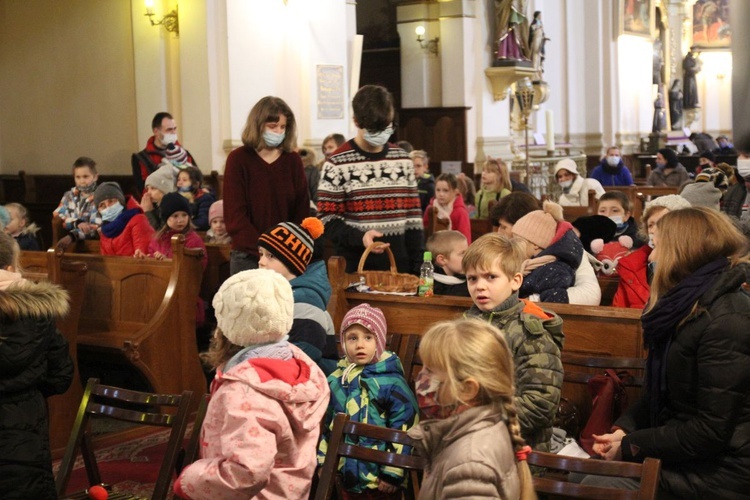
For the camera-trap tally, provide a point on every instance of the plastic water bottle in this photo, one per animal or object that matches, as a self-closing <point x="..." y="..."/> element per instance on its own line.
<point x="426" y="276"/>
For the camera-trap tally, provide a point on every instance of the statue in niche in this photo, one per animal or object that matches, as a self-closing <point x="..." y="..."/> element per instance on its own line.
<point x="660" y="116"/>
<point x="537" y="41"/>
<point x="675" y="105"/>
<point x="658" y="64"/>
<point x="511" y="30"/>
<point x="691" y="66"/>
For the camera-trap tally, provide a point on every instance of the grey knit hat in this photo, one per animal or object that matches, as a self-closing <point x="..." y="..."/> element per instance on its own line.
<point x="702" y="194"/>
<point x="163" y="179"/>
<point x="106" y="191"/>
<point x="671" y="202"/>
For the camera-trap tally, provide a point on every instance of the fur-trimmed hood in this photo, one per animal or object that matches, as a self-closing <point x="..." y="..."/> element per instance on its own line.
<point x="33" y="300"/>
<point x="31" y="229"/>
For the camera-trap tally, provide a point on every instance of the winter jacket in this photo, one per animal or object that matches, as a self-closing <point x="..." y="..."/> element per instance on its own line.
<point x="631" y="229"/>
<point x="27" y="239"/>
<point x="470" y="455"/>
<point x="676" y="177"/>
<point x="76" y="207"/>
<point x="735" y="199"/>
<point x="703" y="437"/>
<point x="483" y="199"/>
<point x="459" y="217"/>
<point x="199" y="207"/>
<point x="375" y="394"/>
<point x="260" y="433"/>
<point x="146" y="161"/>
<point x="535" y="338"/>
<point x="551" y="281"/>
<point x="426" y="189"/>
<point x="136" y="234"/>
<point x="34" y="364"/>
<point x="608" y="176"/>
<point x="633" y="289"/>
<point x="578" y="194"/>
<point x="163" y="245"/>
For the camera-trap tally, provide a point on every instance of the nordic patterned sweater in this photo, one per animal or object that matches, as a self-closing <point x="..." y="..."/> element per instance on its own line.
<point x="360" y="191"/>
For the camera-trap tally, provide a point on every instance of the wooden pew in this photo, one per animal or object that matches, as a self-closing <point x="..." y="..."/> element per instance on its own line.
<point x="480" y="227"/>
<point x="142" y="313"/>
<point x="217" y="270"/>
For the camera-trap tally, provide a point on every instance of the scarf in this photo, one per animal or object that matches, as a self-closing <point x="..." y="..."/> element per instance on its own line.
<point x="273" y="350"/>
<point x="117" y="226"/>
<point x="660" y="326"/>
<point x="531" y="264"/>
<point x="444" y="211"/>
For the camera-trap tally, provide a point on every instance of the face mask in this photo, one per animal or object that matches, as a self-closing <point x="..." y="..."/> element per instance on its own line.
<point x="185" y="189"/>
<point x="661" y="164"/>
<point x="743" y="167"/>
<point x="378" y="138"/>
<point x="427" y="391"/>
<point x="272" y="139"/>
<point x="87" y="189"/>
<point x="613" y="161"/>
<point x="566" y="184"/>
<point x="110" y="213"/>
<point x="651" y="241"/>
<point x="169" y="140"/>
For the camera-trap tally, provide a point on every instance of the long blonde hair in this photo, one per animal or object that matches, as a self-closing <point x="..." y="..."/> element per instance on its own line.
<point x="219" y="351"/>
<point x="473" y="348"/>
<point x="690" y="238"/>
<point x="499" y="167"/>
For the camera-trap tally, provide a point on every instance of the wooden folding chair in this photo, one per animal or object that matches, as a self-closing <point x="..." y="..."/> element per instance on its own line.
<point x="191" y="451"/>
<point x="129" y="406"/>
<point x="338" y="448"/>
<point x="557" y="484"/>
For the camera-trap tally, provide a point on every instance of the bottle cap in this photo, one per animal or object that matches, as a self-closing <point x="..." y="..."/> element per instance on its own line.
<point x="427" y="256"/>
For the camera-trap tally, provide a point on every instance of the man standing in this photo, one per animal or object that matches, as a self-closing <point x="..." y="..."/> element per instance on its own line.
<point x="163" y="145"/>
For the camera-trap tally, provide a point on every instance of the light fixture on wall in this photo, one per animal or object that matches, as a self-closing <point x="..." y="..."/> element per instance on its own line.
<point x="170" y="21"/>
<point x="430" y="46"/>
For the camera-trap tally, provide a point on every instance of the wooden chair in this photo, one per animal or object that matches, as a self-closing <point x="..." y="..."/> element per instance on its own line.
<point x="129" y="406"/>
<point x="434" y="224"/>
<point x="557" y="484"/>
<point x="190" y="453"/>
<point x="338" y="448"/>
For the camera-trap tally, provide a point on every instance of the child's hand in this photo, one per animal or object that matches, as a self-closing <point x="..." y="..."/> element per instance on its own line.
<point x="386" y="487"/>
<point x="86" y="227"/>
<point x="146" y="203"/>
<point x="139" y="254"/>
<point x="159" y="256"/>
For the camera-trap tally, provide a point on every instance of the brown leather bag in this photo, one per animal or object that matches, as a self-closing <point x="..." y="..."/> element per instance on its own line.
<point x="609" y="400"/>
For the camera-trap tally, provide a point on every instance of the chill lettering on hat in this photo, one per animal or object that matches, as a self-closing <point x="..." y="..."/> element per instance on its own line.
<point x="292" y="244"/>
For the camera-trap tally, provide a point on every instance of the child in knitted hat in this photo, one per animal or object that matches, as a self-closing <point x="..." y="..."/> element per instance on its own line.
<point x="267" y="399"/>
<point x="124" y="230"/>
<point x="158" y="184"/>
<point x="217" y="234"/>
<point x="553" y="253"/>
<point x="189" y="185"/>
<point x="369" y="386"/>
<point x="287" y="248"/>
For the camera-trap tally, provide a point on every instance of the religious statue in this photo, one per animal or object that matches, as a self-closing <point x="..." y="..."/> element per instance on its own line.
<point x="691" y="66"/>
<point x="511" y="30"/>
<point x="658" y="62"/>
<point x="675" y="105"/>
<point x="660" y="116"/>
<point x="537" y="41"/>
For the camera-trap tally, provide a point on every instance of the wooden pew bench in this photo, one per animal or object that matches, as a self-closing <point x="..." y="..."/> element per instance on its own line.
<point x="142" y="313"/>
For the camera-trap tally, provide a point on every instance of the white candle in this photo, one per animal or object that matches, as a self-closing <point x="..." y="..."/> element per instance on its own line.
<point x="550" y="131"/>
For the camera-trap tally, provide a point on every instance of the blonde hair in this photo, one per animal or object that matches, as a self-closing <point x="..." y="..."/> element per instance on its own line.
<point x="472" y="348"/>
<point x="419" y="153"/>
<point x="489" y="248"/>
<point x="220" y="350"/>
<point x="444" y="242"/>
<point x="10" y="252"/>
<point x="499" y="167"/>
<point x="269" y="110"/>
<point x="689" y="239"/>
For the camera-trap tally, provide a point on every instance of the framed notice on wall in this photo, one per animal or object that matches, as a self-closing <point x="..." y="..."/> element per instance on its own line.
<point x="330" y="92"/>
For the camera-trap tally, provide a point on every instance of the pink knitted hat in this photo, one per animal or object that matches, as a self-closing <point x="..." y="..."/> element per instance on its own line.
<point x="371" y="318"/>
<point x="538" y="227"/>
<point x="216" y="210"/>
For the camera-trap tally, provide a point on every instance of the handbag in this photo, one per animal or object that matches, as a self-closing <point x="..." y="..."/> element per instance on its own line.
<point x="609" y="400"/>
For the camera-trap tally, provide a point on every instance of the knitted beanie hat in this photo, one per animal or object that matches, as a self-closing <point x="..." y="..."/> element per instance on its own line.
<point x="107" y="191"/>
<point x="4" y="217"/>
<point x="670" y="156"/>
<point x="708" y="155"/>
<point x="216" y="210"/>
<point x="714" y="175"/>
<point x="162" y="179"/>
<point x="566" y="164"/>
<point x="538" y="227"/>
<point x="254" y="307"/>
<point x="171" y="203"/>
<point x="702" y="194"/>
<point x="292" y="244"/>
<point x="371" y="318"/>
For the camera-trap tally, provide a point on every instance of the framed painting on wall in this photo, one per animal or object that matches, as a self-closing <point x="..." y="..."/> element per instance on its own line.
<point x="711" y="24"/>
<point x="636" y="17"/>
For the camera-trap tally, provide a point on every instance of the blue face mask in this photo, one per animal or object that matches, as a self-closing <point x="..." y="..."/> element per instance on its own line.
<point x="661" y="164"/>
<point x="378" y="139"/>
<point x="185" y="189"/>
<point x="272" y="139"/>
<point x="618" y="220"/>
<point x="110" y="213"/>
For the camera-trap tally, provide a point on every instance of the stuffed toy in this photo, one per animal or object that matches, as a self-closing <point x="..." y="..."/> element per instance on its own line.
<point x="609" y="254"/>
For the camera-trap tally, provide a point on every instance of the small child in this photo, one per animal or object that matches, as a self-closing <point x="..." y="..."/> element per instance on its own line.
<point x="369" y="386"/>
<point x="124" y="230"/>
<point x="77" y="209"/>
<point x="287" y="248"/>
<point x="425" y="180"/>
<point x="267" y="399"/>
<point x="158" y="183"/>
<point x="448" y="205"/>
<point x="495" y="185"/>
<point x="553" y="253"/>
<point x="189" y="181"/>
<point x="217" y="235"/>
<point x="35" y="364"/>
<point x="468" y="192"/>
<point x="448" y="249"/>
<point x="19" y="227"/>
<point x="473" y="439"/>
<point x="535" y="336"/>
<point x="616" y="206"/>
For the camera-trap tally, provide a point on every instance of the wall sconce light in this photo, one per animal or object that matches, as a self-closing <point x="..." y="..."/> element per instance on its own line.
<point x="430" y="46"/>
<point x="170" y="21"/>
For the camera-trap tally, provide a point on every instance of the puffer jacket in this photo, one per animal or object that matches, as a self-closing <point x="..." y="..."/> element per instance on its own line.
<point x="260" y="433"/>
<point x="135" y="235"/>
<point x="535" y="338"/>
<point x="163" y="244"/>
<point x="703" y="437"/>
<point x="633" y="289"/>
<point x="578" y="194"/>
<point x="735" y="199"/>
<point x="470" y="455"/>
<point x="34" y="364"/>
<point x="551" y="281"/>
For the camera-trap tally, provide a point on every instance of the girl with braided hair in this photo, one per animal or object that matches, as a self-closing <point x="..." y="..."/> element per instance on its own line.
<point x="471" y="435"/>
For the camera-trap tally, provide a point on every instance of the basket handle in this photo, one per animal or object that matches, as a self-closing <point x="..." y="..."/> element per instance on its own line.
<point x="377" y="244"/>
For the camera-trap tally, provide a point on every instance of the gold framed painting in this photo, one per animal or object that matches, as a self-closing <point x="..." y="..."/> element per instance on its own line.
<point x="711" y="24"/>
<point x="636" y="17"/>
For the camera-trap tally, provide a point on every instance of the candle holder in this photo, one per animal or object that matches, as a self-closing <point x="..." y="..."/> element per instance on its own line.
<point x="525" y="99"/>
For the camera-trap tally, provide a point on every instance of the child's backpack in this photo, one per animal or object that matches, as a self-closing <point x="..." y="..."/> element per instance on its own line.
<point x="609" y="399"/>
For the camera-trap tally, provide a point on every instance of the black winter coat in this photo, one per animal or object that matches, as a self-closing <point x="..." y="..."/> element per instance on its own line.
<point x="34" y="364"/>
<point x="551" y="281"/>
<point x="703" y="439"/>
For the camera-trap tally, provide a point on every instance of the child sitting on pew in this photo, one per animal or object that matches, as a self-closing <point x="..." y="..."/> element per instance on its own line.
<point x="448" y="206"/>
<point x="189" y="182"/>
<point x="124" y="230"/>
<point x="448" y="248"/>
<point x="616" y="206"/>
<point x="19" y="227"/>
<point x="287" y="248"/>
<point x="535" y="336"/>
<point x="79" y="213"/>
<point x="369" y="386"/>
<point x="159" y="183"/>
<point x="218" y="234"/>
<point x="495" y="185"/>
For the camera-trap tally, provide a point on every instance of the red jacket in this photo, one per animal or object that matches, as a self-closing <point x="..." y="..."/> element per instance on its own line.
<point x="459" y="217"/>
<point x="633" y="290"/>
<point x="136" y="235"/>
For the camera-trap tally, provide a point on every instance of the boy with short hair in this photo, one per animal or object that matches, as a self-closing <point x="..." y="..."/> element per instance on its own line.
<point x="616" y="206"/>
<point x="162" y="181"/>
<point x="20" y="227"/>
<point x="448" y="249"/>
<point x="535" y="336"/>
<point x="77" y="209"/>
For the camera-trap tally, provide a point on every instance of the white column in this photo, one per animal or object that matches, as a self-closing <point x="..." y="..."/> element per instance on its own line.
<point x="420" y="69"/>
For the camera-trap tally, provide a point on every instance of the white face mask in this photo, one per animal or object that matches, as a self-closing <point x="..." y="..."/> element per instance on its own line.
<point x="379" y="138"/>
<point x="273" y="139"/>
<point x="743" y="167"/>
<point x="617" y="219"/>
<point x="613" y="161"/>
<point x="110" y="213"/>
<point x="169" y="139"/>
<point x="566" y="184"/>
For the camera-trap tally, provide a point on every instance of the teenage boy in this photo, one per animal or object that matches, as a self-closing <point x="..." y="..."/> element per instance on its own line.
<point x="448" y="249"/>
<point x="535" y="336"/>
<point x="368" y="191"/>
<point x="77" y="209"/>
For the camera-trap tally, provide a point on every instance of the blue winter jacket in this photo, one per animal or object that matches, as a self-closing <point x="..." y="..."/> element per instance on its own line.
<point x="608" y="176"/>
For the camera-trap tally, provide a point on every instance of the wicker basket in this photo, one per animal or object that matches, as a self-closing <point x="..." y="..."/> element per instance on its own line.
<point x="387" y="281"/>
